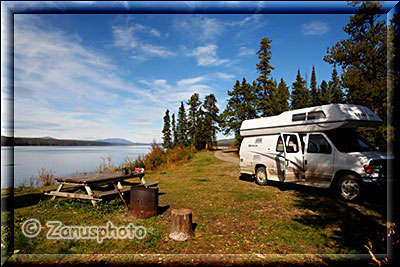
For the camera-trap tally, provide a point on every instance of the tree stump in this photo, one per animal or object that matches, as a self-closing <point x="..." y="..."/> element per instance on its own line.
<point x="181" y="228"/>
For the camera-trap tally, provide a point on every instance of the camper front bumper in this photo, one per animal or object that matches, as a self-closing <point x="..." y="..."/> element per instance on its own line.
<point x="370" y="180"/>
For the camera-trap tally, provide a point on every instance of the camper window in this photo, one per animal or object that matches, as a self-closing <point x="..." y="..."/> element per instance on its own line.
<point x="279" y="145"/>
<point x="315" y="115"/>
<point x="318" y="144"/>
<point x="348" y="140"/>
<point x="299" y="117"/>
<point x="292" y="145"/>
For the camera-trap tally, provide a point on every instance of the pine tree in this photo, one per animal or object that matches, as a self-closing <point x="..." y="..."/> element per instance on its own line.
<point x="200" y="130"/>
<point x="266" y="88"/>
<point x="300" y="94"/>
<point x="174" y="137"/>
<point x="240" y="107"/>
<point x="283" y="96"/>
<point x="181" y="127"/>
<point x="210" y="120"/>
<point x="325" y="94"/>
<point x="314" y="92"/>
<point x="335" y="88"/>
<point x="167" y="131"/>
<point x="363" y="60"/>
<point x="193" y="124"/>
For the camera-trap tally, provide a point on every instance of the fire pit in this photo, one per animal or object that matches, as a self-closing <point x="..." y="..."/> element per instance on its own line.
<point x="144" y="202"/>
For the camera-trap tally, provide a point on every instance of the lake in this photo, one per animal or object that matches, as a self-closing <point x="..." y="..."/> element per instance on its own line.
<point x="62" y="160"/>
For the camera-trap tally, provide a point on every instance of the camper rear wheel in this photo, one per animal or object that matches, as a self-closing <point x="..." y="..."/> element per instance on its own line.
<point x="350" y="187"/>
<point x="261" y="176"/>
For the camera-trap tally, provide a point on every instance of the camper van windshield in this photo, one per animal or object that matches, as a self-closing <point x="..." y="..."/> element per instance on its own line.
<point x="348" y="140"/>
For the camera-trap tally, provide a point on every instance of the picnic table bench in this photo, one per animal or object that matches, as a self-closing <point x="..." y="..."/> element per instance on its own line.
<point x="89" y="182"/>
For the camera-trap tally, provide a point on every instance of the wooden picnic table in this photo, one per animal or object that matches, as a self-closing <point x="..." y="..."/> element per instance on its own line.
<point x="91" y="181"/>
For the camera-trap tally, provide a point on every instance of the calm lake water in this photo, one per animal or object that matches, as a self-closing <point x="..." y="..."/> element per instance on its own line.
<point x="62" y="160"/>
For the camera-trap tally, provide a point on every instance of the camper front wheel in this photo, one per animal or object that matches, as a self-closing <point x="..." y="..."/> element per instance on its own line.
<point x="350" y="187"/>
<point x="261" y="176"/>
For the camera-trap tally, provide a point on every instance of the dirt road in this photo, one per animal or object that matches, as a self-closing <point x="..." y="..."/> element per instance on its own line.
<point x="226" y="155"/>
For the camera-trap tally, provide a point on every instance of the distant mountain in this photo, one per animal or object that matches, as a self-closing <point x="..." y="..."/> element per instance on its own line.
<point x="47" y="137"/>
<point x="49" y="141"/>
<point x="114" y="140"/>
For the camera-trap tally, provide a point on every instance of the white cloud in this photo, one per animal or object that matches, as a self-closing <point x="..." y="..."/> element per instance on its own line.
<point x="156" y="50"/>
<point x="134" y="38"/>
<point x="249" y="20"/>
<point x="207" y="56"/>
<point x="244" y="51"/>
<point x="314" y="28"/>
<point x="199" y="27"/>
<point x="190" y="81"/>
<point x="224" y="76"/>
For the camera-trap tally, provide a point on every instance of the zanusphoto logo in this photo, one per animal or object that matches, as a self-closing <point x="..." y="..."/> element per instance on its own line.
<point x="32" y="227"/>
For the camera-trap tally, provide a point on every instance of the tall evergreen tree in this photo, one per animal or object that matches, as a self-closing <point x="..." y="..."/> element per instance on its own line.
<point x="167" y="143"/>
<point x="210" y="120"/>
<point x="174" y="137"/>
<point x="314" y="92"/>
<point x="325" y="94"/>
<point x="240" y="107"/>
<point x="363" y="57"/>
<point x="363" y="60"/>
<point x="300" y="94"/>
<point x="266" y="88"/>
<point x="283" y="96"/>
<point x="181" y="127"/>
<point x="335" y="88"/>
<point x="193" y="116"/>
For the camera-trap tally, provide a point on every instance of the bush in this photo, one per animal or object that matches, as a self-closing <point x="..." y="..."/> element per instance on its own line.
<point x="46" y="176"/>
<point x="106" y="166"/>
<point x="158" y="157"/>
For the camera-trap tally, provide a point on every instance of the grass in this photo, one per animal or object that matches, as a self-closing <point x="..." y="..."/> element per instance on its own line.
<point x="232" y="216"/>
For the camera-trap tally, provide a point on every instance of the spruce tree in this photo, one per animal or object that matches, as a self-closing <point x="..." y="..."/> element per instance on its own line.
<point x="210" y="120"/>
<point x="266" y="88"/>
<point x="300" y="94"/>
<point x="325" y="94"/>
<point x="363" y="61"/>
<point x="167" y="143"/>
<point x="240" y="107"/>
<point x="363" y="57"/>
<point x="283" y="96"/>
<point x="174" y="137"/>
<point x="334" y="87"/>
<point x="314" y="92"/>
<point x="193" y="124"/>
<point x="181" y="127"/>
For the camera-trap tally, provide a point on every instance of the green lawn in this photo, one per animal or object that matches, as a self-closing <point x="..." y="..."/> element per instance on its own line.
<point x="232" y="216"/>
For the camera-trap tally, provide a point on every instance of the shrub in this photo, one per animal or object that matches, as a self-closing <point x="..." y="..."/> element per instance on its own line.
<point x="46" y="176"/>
<point x="106" y="166"/>
<point x="158" y="157"/>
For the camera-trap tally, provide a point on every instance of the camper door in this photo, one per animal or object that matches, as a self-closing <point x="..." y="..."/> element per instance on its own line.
<point x="293" y="157"/>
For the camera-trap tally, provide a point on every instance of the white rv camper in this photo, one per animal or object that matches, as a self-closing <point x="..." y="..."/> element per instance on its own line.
<point x="315" y="146"/>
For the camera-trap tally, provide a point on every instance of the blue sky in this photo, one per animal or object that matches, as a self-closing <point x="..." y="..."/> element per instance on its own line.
<point x="89" y="76"/>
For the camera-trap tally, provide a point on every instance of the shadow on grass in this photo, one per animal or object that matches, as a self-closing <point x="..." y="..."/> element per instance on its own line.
<point x="27" y="200"/>
<point x="352" y="229"/>
<point x="162" y="209"/>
